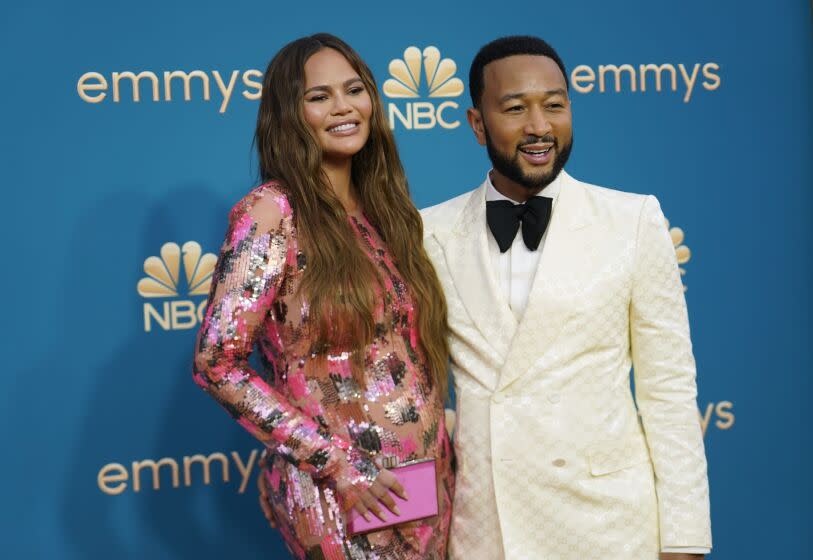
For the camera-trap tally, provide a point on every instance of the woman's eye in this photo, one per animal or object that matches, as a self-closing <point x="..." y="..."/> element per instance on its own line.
<point x="318" y="98"/>
<point x="356" y="90"/>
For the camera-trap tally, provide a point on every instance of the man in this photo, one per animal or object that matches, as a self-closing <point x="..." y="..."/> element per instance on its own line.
<point x="546" y="321"/>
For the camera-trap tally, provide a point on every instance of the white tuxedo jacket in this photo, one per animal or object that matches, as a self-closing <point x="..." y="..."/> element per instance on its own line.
<point x="553" y="462"/>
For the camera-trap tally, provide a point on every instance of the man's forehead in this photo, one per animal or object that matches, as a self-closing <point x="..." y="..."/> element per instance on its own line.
<point x="523" y="69"/>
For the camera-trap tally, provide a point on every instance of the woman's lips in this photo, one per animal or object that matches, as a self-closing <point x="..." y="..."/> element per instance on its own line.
<point x="344" y="129"/>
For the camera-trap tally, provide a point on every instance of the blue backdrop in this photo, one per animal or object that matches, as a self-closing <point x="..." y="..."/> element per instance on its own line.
<point x="97" y="380"/>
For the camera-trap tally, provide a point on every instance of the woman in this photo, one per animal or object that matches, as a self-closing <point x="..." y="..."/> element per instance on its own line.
<point x="323" y="269"/>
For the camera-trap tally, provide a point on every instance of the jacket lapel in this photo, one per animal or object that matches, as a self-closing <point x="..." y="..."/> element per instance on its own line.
<point x="542" y="322"/>
<point x="467" y="254"/>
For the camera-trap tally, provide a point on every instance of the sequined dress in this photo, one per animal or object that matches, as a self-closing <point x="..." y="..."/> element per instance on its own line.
<point x="318" y="424"/>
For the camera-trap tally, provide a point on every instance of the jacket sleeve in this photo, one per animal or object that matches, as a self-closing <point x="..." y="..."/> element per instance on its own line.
<point x="248" y="275"/>
<point x="666" y="393"/>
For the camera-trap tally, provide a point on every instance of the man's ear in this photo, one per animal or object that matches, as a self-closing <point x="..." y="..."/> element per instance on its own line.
<point x="475" y="118"/>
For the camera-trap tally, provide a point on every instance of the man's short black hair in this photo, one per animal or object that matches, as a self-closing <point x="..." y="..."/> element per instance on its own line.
<point x="503" y="48"/>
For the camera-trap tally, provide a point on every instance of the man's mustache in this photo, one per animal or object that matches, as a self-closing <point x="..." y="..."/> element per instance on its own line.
<point x="530" y="140"/>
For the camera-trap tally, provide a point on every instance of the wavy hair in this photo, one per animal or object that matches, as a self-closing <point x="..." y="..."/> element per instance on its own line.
<point x="339" y="279"/>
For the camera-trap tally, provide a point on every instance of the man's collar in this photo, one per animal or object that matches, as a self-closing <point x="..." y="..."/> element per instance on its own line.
<point x="551" y="191"/>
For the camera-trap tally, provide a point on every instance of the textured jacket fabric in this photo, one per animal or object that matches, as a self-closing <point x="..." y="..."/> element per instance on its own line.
<point x="553" y="460"/>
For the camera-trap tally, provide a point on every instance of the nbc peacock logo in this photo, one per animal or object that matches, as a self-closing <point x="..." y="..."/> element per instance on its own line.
<point x="422" y="71"/>
<point x="164" y="281"/>
<point x="682" y="252"/>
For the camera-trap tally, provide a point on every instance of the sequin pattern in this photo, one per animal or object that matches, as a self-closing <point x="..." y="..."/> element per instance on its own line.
<point x="320" y="426"/>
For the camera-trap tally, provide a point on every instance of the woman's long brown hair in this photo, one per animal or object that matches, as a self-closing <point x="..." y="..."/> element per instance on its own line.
<point x="339" y="279"/>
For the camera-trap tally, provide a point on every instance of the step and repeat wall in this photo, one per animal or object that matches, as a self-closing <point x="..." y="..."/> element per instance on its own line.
<point x="127" y="136"/>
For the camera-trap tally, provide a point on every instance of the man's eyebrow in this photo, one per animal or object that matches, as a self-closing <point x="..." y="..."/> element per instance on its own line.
<point x="520" y="95"/>
<point x="327" y="88"/>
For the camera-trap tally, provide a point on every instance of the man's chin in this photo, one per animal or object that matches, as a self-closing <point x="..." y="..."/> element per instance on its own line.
<point x="538" y="180"/>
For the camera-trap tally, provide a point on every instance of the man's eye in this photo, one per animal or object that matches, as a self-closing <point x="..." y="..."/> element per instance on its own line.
<point x="515" y="108"/>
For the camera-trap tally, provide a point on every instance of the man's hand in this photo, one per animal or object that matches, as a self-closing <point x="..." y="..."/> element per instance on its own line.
<point x="681" y="556"/>
<point x="451" y="418"/>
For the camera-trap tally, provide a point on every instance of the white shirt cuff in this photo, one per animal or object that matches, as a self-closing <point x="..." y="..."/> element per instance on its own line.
<point x="687" y="549"/>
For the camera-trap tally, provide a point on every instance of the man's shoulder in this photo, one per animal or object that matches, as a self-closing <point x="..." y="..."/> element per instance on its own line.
<point x="611" y="195"/>
<point x="611" y="204"/>
<point x="444" y="215"/>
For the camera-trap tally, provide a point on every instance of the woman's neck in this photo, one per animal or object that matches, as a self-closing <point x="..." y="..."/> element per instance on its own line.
<point x="340" y="177"/>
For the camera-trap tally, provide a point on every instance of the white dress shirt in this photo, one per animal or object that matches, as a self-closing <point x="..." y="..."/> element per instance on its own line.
<point x="516" y="269"/>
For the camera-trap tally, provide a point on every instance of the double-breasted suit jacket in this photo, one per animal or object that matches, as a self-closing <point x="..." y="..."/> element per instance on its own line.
<point x="553" y="460"/>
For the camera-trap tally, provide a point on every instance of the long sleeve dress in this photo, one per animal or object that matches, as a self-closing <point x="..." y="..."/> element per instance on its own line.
<point x="319" y="425"/>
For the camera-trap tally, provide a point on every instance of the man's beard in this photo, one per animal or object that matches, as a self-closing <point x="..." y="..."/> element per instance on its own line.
<point x="510" y="167"/>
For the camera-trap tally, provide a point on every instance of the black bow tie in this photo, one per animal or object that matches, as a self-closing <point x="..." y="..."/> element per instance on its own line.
<point x="504" y="217"/>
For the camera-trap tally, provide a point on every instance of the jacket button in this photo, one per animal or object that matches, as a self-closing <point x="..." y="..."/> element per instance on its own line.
<point x="554" y="398"/>
<point x="499" y="398"/>
<point x="559" y="463"/>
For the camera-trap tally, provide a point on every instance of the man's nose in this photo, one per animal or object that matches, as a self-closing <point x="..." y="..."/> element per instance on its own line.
<point x="538" y="124"/>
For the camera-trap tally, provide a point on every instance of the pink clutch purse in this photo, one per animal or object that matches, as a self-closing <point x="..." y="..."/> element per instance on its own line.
<point x="418" y="480"/>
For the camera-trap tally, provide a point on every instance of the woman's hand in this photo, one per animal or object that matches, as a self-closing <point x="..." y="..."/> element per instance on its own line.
<point x="378" y="493"/>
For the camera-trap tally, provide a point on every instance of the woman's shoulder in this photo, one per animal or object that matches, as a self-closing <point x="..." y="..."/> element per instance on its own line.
<point x="265" y="203"/>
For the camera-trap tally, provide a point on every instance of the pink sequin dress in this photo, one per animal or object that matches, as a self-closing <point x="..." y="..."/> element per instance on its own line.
<point x="319" y="425"/>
